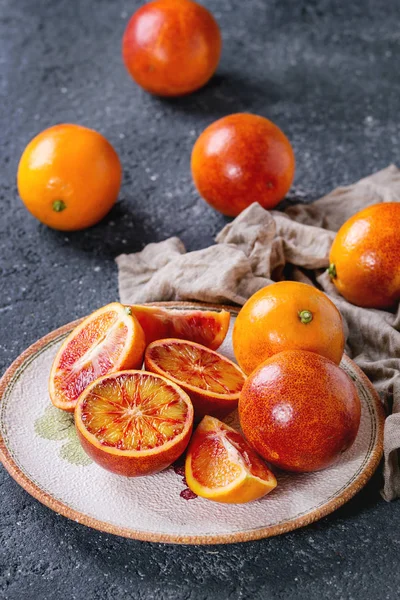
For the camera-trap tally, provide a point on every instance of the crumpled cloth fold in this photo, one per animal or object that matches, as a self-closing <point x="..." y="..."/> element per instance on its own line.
<point x="260" y="247"/>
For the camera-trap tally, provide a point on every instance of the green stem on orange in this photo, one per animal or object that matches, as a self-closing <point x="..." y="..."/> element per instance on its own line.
<point x="59" y="205"/>
<point x="332" y="271"/>
<point x="128" y="310"/>
<point x="305" y="316"/>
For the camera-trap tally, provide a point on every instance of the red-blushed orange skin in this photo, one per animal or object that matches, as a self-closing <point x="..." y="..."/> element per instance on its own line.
<point x="171" y="47"/>
<point x="120" y="463"/>
<point x="240" y="159"/>
<point x="366" y="257"/>
<point x="72" y="165"/>
<point x="204" y="401"/>
<point x="299" y="411"/>
<point x="205" y="327"/>
<point x="269" y="323"/>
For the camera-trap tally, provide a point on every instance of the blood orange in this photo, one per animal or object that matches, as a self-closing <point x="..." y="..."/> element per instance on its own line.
<point x="221" y="466"/>
<point x="299" y="411"/>
<point x="207" y="327"/>
<point x="212" y="381"/>
<point x="108" y="340"/>
<point x="134" y="423"/>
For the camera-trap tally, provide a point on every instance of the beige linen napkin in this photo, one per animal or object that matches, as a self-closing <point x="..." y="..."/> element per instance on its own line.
<point x="259" y="247"/>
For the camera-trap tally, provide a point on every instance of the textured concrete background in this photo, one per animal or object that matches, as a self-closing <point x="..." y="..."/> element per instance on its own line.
<point x="327" y="72"/>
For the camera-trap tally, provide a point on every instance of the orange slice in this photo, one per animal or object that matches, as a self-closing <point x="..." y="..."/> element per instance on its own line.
<point x="212" y="381"/>
<point x="221" y="466"/>
<point x="205" y="327"/>
<point x="134" y="423"/>
<point x="109" y="340"/>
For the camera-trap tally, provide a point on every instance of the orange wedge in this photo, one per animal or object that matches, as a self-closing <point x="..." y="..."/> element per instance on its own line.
<point x="221" y="466"/>
<point x="109" y="340"/>
<point x="212" y="381"/>
<point x="134" y="423"/>
<point x="207" y="327"/>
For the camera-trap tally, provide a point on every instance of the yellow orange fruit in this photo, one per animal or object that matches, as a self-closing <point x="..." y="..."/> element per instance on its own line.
<point x="134" y="423"/>
<point x="287" y="316"/>
<point x="221" y="466"/>
<point x="109" y="340"/>
<point x="69" y="177"/>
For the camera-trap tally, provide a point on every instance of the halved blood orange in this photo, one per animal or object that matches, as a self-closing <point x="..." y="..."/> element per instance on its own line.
<point x="109" y="340"/>
<point x="212" y="381"/>
<point x="221" y="466"/>
<point x="207" y="327"/>
<point x="134" y="423"/>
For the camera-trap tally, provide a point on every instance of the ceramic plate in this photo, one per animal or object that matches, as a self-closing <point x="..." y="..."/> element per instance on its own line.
<point x="39" y="448"/>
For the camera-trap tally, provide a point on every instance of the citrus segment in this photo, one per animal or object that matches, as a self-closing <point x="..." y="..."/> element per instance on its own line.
<point x="205" y="327"/>
<point x="221" y="466"/>
<point x="109" y="340"/>
<point x="212" y="381"/>
<point x="134" y="423"/>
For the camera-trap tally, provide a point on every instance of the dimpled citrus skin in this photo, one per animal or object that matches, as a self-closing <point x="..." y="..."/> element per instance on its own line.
<point x="365" y="257"/>
<point x="269" y="322"/>
<point x="171" y="47"/>
<point x="299" y="411"/>
<point x="69" y="177"/>
<point x="240" y="159"/>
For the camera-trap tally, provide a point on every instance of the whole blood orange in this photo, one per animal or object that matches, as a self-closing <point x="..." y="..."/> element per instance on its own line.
<point x="299" y="411"/>
<point x="109" y="340"/>
<point x="171" y="47"/>
<point x="134" y="423"/>
<point x="221" y="466"/>
<point x="212" y="381"/>
<point x="240" y="159"/>
<point x="69" y="177"/>
<point x="365" y="257"/>
<point x="287" y="316"/>
<point x="205" y="327"/>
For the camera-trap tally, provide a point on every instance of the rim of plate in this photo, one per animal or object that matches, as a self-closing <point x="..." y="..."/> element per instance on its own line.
<point x="311" y="516"/>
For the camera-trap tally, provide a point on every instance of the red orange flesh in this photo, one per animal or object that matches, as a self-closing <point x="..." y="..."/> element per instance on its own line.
<point x="205" y="327"/>
<point x="212" y="381"/>
<point x="221" y="466"/>
<point x="108" y="340"/>
<point x="134" y="423"/>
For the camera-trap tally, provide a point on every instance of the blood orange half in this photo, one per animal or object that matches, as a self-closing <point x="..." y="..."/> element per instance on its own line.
<point x="212" y="381"/>
<point x="109" y="340"/>
<point x="134" y="423"/>
<point x="221" y="466"/>
<point x="207" y="327"/>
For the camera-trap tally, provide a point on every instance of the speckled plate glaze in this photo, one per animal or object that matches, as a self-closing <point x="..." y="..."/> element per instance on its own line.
<point x="39" y="448"/>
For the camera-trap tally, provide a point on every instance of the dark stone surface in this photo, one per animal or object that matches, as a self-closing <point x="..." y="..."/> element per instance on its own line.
<point x="328" y="73"/>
